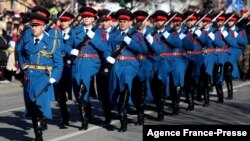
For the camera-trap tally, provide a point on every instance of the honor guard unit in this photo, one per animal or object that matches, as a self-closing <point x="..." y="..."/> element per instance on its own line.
<point x="133" y="58"/>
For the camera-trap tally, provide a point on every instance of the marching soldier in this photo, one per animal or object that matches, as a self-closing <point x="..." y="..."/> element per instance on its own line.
<point x="179" y="63"/>
<point x="195" y="57"/>
<point x="208" y="54"/>
<point x="218" y="37"/>
<point x="87" y="62"/>
<point x="40" y="59"/>
<point x="209" y="58"/>
<point x="125" y="68"/>
<point x="107" y="18"/>
<point x="146" y="60"/>
<point x="64" y="86"/>
<point x="235" y="51"/>
<point x="161" y="65"/>
<point x="169" y="50"/>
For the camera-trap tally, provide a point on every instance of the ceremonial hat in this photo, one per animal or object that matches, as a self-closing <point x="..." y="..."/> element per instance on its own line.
<point x="37" y="19"/>
<point x="41" y="10"/>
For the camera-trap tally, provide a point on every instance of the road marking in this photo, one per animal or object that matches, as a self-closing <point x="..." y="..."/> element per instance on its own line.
<point x="234" y="87"/>
<point x="90" y="129"/>
<point x="11" y="110"/>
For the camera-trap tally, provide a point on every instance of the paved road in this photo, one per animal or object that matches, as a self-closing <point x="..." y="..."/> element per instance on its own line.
<point x="14" y="127"/>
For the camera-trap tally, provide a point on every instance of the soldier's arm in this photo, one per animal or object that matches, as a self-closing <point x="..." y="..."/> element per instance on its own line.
<point x="57" y="63"/>
<point x="230" y="39"/>
<point x="19" y="52"/>
<point x="241" y="38"/>
<point x="172" y="39"/>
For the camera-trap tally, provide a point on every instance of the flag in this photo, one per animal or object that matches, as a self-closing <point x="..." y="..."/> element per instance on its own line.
<point x="234" y="6"/>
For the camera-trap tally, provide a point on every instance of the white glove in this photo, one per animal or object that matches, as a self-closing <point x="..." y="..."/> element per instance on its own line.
<point x="182" y="35"/>
<point x="74" y="52"/>
<point x="52" y="80"/>
<point x="12" y="44"/>
<point x="150" y="39"/>
<point x="127" y="40"/>
<point x="90" y="34"/>
<point x="110" y="59"/>
<point x="211" y="36"/>
<point x="224" y="33"/>
<point x="166" y="34"/>
<point x="25" y="66"/>
<point x="18" y="71"/>
<point x="235" y="34"/>
<point x="66" y="37"/>
<point x="198" y="32"/>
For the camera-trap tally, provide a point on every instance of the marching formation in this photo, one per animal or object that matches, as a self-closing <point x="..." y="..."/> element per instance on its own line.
<point x="128" y="58"/>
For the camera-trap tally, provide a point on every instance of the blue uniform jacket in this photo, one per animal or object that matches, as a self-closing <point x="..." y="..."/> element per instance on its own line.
<point x="36" y="79"/>
<point x="85" y="68"/>
<point x="123" y="71"/>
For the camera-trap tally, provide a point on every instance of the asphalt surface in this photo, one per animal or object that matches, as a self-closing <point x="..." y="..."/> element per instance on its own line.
<point x="13" y="126"/>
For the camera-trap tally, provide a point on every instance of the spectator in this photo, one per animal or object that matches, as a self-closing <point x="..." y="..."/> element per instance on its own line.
<point x="4" y="39"/>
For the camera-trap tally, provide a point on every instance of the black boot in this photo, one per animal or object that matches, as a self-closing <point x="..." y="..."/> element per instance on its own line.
<point x="228" y="79"/>
<point x="161" y="103"/>
<point x="206" y="98"/>
<point x="229" y="90"/>
<point x="190" y="100"/>
<point x="140" y="107"/>
<point x="175" y="109"/>
<point x="124" y="122"/>
<point x="38" y="126"/>
<point x="123" y="109"/>
<point x="64" y="112"/>
<point x="175" y="100"/>
<point x="37" y="130"/>
<point x="206" y="87"/>
<point x="89" y="112"/>
<point x="220" y="94"/>
<point x="84" y="116"/>
<point x="107" y="110"/>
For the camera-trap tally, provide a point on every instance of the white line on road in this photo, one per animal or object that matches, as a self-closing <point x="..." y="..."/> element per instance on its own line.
<point x="235" y="87"/>
<point x="90" y="129"/>
<point x="11" y="110"/>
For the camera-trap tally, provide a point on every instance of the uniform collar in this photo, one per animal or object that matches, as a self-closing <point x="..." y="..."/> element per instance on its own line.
<point x="89" y="28"/>
<point x="66" y="31"/>
<point x="143" y="31"/>
<point x="161" y="31"/>
<point x="109" y="29"/>
<point x="233" y="28"/>
<point x="39" y="37"/>
<point x="126" y="31"/>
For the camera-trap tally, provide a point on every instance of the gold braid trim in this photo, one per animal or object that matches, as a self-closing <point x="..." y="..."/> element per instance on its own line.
<point x="50" y="54"/>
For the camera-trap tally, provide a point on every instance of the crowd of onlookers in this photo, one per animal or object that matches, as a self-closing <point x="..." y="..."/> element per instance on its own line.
<point x="11" y="27"/>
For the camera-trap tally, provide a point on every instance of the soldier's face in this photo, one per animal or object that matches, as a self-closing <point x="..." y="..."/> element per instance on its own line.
<point x="142" y="26"/>
<point x="123" y="25"/>
<point x="37" y="30"/>
<point x="64" y="24"/>
<point x="201" y="24"/>
<point x="106" y="24"/>
<point x="190" y="23"/>
<point x="231" y="23"/>
<point x="159" y="24"/>
<point x="207" y="25"/>
<point x="220" y="23"/>
<point x="88" y="20"/>
<point x="176" y="25"/>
